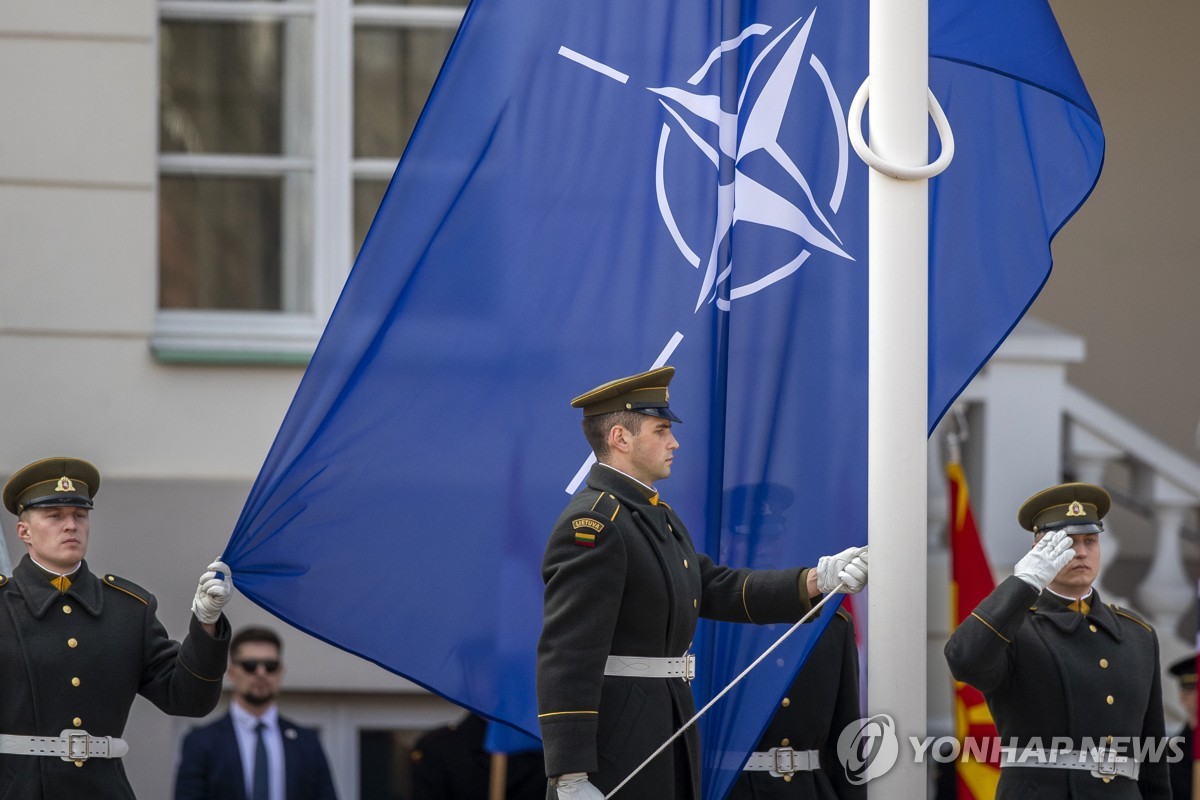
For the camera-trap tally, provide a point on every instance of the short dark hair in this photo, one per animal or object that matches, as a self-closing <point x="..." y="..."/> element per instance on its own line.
<point x="254" y="634"/>
<point x="596" y="428"/>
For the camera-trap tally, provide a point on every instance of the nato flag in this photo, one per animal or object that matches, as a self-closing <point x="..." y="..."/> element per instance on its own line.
<point x="594" y="189"/>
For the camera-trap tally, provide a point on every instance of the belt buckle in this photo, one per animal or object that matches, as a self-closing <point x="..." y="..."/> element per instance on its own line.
<point x="80" y="738"/>
<point x="689" y="667"/>
<point x="783" y="761"/>
<point x="1106" y="762"/>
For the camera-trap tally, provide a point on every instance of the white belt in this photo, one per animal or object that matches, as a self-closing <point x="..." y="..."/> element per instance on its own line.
<point x="70" y="745"/>
<point x="634" y="667"/>
<point x="781" y="761"/>
<point x="1101" y="763"/>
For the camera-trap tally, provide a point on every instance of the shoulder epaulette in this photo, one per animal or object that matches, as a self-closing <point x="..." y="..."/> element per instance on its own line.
<point x="1130" y="615"/>
<point x="127" y="587"/>
<point x="607" y="505"/>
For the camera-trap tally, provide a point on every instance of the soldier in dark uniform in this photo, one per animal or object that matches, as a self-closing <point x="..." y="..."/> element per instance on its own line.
<point x="451" y="763"/>
<point x="78" y="647"/>
<point x="1184" y="671"/>
<point x="624" y="589"/>
<point x="797" y="756"/>
<point x="1053" y="660"/>
<point x="796" y="759"/>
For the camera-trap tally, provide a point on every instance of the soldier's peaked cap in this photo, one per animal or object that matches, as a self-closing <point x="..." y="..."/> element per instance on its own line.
<point x="52" y="482"/>
<point x="1185" y="670"/>
<point x="644" y="393"/>
<point x="1074" y="507"/>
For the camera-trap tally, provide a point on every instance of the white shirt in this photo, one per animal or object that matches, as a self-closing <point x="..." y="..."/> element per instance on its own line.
<point x="1087" y="596"/>
<point x="244" y="724"/>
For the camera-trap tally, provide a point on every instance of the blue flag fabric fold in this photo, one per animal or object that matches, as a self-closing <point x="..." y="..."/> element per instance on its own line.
<point x="596" y="189"/>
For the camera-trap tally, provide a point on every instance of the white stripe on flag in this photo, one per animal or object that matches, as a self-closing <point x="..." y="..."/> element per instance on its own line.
<point x="603" y="69"/>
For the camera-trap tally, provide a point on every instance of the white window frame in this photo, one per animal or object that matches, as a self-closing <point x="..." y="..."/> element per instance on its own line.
<point x="197" y="335"/>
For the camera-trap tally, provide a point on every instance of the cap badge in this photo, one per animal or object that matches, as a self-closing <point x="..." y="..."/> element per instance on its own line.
<point x="1076" y="509"/>
<point x="64" y="485"/>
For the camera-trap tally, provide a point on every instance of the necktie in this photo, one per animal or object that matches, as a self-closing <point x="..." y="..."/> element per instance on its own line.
<point x="259" y="789"/>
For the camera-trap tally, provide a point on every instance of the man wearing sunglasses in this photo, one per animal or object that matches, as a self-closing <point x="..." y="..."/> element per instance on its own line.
<point x="252" y="752"/>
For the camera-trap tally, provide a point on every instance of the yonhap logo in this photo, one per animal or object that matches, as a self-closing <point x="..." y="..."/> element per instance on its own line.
<point x="868" y="748"/>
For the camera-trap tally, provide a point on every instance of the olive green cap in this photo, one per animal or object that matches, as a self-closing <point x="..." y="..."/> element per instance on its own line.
<point x="52" y="482"/>
<point x="644" y="393"/>
<point x="1074" y="507"/>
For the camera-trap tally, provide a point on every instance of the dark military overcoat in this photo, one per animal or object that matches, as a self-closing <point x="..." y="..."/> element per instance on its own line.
<point x="623" y="578"/>
<point x="451" y="763"/>
<point x="822" y="700"/>
<point x="1049" y="671"/>
<point x="77" y="660"/>
<point x="1181" y="770"/>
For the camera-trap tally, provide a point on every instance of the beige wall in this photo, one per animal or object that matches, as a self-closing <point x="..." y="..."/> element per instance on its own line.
<point x="1126" y="273"/>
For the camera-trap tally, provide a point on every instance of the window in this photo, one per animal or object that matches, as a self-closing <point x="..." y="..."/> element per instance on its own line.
<point x="280" y="124"/>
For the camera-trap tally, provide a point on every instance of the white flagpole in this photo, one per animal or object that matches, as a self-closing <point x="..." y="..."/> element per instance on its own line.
<point x="897" y="370"/>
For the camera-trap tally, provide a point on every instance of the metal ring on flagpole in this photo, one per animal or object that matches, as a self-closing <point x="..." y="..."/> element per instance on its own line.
<point x="886" y="167"/>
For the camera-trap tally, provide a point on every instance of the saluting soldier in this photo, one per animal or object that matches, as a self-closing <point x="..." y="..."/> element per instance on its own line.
<point x="78" y="647"/>
<point x="624" y="589"/>
<point x="1053" y="660"/>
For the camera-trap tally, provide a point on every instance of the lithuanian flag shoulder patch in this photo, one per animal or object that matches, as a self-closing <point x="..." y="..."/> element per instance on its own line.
<point x="586" y="529"/>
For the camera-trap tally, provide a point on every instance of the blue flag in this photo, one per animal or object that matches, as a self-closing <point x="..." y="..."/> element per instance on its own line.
<point x="595" y="189"/>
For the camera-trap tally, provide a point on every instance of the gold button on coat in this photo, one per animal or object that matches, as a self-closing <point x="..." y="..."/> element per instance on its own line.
<point x="1109" y="699"/>
<point x="685" y="566"/>
<point x="787" y="702"/>
<point x="1104" y="663"/>
<point x="66" y="609"/>
<point x="1092" y="628"/>
<point x="79" y="763"/>
<point x="77" y="722"/>
<point x="72" y="642"/>
<point x="785" y="743"/>
<point x="74" y="681"/>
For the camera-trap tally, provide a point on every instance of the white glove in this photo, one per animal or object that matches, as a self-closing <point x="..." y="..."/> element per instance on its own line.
<point x="213" y="593"/>
<point x="576" y="786"/>
<point x="1047" y="558"/>
<point x="848" y="567"/>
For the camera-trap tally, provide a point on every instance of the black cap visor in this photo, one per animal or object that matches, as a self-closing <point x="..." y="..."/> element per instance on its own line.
<point x="662" y="412"/>
<point x="1076" y="529"/>
<point x="59" y="501"/>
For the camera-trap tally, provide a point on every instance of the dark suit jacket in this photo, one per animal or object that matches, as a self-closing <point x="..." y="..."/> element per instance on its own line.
<point x="623" y="578"/>
<point x="210" y="767"/>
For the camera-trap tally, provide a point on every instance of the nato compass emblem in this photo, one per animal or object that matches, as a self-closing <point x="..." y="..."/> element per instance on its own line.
<point x="758" y="183"/>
